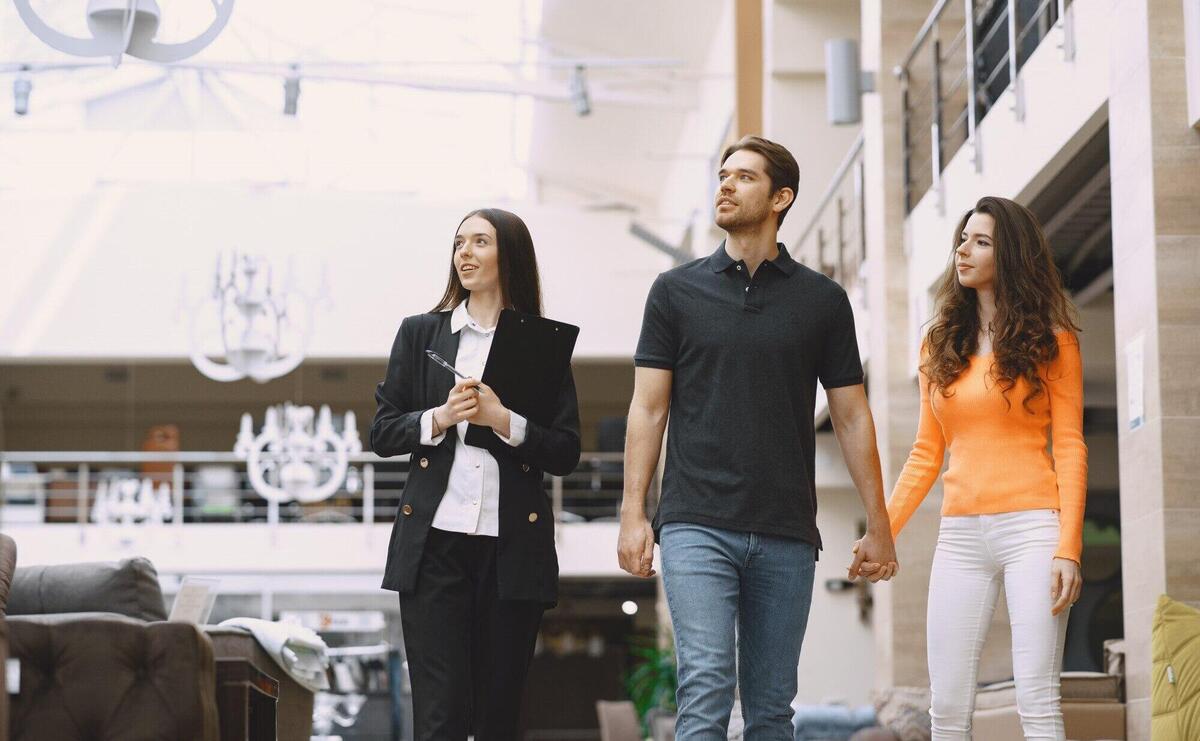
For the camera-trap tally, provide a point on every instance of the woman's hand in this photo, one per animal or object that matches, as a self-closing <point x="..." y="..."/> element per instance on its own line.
<point x="492" y="413"/>
<point x="1065" y="583"/>
<point x="461" y="403"/>
<point x="872" y="571"/>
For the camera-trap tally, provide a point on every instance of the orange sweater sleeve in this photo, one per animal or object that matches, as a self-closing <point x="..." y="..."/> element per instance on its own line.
<point x="922" y="467"/>
<point x="1064" y="383"/>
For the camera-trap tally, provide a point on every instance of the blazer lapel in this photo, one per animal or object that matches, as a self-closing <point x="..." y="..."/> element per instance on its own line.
<point x="440" y="380"/>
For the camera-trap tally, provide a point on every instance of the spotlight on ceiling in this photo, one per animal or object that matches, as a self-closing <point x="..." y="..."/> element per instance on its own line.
<point x="579" y="91"/>
<point x="21" y="89"/>
<point x="291" y="91"/>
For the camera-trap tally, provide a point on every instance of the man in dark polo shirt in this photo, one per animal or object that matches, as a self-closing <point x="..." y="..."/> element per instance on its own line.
<point x="732" y="347"/>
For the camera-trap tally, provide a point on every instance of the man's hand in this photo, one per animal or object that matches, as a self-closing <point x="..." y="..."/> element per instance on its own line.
<point x="874" y="557"/>
<point x="1065" y="583"/>
<point x="635" y="545"/>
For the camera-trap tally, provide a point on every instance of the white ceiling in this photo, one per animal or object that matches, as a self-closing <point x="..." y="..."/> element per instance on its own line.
<point x="142" y="123"/>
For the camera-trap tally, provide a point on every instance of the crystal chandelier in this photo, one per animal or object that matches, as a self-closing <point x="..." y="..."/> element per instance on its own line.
<point x="122" y="27"/>
<point x="128" y="500"/>
<point x="291" y="459"/>
<point x="263" y="331"/>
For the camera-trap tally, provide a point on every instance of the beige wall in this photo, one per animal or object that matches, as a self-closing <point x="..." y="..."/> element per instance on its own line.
<point x="794" y="101"/>
<point x="1156" y="254"/>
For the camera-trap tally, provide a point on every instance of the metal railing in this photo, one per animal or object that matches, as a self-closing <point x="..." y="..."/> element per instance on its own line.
<point x="213" y="487"/>
<point x="834" y="242"/>
<point x="967" y="56"/>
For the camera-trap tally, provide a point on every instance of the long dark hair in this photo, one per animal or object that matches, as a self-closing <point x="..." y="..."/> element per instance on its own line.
<point x="1031" y="306"/>
<point x="520" y="286"/>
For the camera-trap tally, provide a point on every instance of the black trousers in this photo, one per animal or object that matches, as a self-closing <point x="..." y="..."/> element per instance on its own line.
<point x="468" y="650"/>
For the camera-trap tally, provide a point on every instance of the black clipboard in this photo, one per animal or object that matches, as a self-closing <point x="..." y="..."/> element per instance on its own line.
<point x="526" y="367"/>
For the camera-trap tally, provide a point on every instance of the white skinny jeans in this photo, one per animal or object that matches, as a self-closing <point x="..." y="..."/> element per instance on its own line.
<point x="974" y="554"/>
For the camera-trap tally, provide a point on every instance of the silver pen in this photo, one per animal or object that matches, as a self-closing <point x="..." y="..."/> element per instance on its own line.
<point x="442" y="362"/>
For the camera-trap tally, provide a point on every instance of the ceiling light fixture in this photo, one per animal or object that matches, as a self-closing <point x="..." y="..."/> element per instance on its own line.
<point x="121" y="27"/>
<point x="291" y="91"/>
<point x="21" y="89"/>
<point x="579" y="91"/>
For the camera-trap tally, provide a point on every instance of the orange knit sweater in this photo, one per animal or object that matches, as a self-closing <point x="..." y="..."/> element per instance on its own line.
<point x="998" y="456"/>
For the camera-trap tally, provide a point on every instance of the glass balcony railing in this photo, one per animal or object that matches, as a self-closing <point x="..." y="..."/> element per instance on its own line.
<point x="94" y="488"/>
<point x="965" y="59"/>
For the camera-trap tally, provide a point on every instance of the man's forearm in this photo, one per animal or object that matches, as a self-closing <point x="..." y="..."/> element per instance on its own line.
<point x="643" y="444"/>
<point x="857" y="441"/>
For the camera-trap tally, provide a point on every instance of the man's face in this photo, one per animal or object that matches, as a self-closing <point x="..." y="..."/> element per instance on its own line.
<point x="744" y="197"/>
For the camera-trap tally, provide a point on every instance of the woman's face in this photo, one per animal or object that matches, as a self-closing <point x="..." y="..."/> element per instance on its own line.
<point x="974" y="258"/>
<point x="476" y="255"/>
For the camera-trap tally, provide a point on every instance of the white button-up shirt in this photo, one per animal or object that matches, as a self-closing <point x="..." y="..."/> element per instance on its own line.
<point x="472" y="501"/>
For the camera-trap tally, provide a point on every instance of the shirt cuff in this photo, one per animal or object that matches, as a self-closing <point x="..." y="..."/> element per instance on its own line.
<point x="427" y="437"/>
<point x="516" y="430"/>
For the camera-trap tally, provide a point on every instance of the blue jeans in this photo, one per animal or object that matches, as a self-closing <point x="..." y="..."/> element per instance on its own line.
<point x="761" y="585"/>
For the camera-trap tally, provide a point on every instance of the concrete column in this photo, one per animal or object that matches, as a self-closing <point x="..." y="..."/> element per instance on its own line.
<point x="888" y="29"/>
<point x="1155" y="156"/>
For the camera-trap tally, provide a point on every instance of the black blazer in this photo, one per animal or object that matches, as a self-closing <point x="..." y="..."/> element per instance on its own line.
<point x="527" y="564"/>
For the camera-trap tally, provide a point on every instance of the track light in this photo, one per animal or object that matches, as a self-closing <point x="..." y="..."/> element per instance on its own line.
<point x="21" y="88"/>
<point x="291" y="91"/>
<point x="579" y="91"/>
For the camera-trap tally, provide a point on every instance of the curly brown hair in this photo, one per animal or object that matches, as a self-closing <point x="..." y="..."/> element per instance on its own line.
<point x="1031" y="306"/>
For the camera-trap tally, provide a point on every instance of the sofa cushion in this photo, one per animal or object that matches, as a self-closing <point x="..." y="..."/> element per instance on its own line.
<point x="128" y="587"/>
<point x="1175" y="675"/>
<point x="1076" y="686"/>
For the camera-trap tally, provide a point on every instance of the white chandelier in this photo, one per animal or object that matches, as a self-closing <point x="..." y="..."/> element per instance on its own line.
<point x="290" y="459"/>
<point x="122" y="27"/>
<point x="128" y="500"/>
<point x="264" y="332"/>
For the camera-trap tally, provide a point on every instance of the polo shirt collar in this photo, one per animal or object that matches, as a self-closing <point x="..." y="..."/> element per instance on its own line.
<point x="720" y="260"/>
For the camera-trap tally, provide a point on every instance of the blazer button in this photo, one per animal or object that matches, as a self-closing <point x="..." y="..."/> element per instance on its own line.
<point x="533" y="516"/>
<point x="525" y="467"/>
<point x="424" y="462"/>
<point x="406" y="509"/>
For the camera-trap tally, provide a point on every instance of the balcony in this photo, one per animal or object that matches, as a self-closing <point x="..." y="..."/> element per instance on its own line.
<point x="965" y="62"/>
<point x="218" y="525"/>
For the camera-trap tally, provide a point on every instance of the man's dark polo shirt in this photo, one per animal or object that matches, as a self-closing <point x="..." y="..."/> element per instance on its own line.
<point x="746" y="355"/>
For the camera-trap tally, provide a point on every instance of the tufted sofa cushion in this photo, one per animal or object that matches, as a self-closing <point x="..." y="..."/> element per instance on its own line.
<point x="112" y="679"/>
<point x="128" y="587"/>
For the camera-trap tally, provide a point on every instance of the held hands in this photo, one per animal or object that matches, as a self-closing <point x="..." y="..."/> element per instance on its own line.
<point x="475" y="402"/>
<point x="635" y="546"/>
<point x="1065" y="584"/>
<point x="874" y="557"/>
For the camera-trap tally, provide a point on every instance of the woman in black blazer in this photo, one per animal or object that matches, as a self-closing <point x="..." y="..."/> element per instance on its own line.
<point x="472" y="550"/>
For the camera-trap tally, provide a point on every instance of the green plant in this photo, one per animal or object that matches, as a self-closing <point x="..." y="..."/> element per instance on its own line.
<point x="652" y="681"/>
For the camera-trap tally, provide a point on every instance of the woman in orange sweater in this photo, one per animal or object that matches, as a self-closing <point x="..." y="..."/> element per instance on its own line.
<point x="1000" y="377"/>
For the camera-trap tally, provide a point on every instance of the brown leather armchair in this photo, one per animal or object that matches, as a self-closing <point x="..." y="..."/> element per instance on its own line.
<point x="92" y="638"/>
<point x="99" y="661"/>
